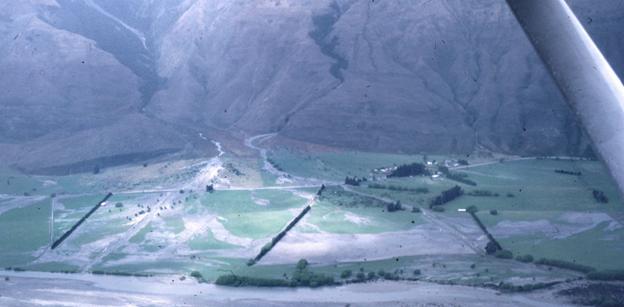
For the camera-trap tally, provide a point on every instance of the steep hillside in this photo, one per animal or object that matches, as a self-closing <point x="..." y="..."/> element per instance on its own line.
<point x="67" y="98"/>
<point x="430" y="76"/>
<point x="144" y="77"/>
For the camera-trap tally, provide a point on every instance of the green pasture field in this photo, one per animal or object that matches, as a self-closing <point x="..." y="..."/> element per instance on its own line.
<point x="336" y="165"/>
<point x="24" y="231"/>
<point x="541" y="194"/>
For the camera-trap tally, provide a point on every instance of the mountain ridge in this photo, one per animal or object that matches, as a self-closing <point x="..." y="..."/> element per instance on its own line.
<point x="403" y="76"/>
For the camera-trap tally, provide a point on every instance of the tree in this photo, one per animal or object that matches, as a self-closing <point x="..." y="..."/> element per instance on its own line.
<point x="302" y="265"/>
<point x="371" y="275"/>
<point x="491" y="248"/>
<point x="392" y="207"/>
<point x="600" y="196"/>
<point x="346" y="274"/>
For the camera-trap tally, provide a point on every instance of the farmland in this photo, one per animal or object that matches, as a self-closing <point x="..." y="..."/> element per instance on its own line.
<point x="162" y="221"/>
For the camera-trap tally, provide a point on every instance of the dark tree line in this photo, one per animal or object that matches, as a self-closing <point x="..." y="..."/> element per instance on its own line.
<point x="267" y="247"/>
<point x="86" y="216"/>
<point x="459" y="177"/>
<point x="482" y="193"/>
<point x="302" y="277"/>
<point x="422" y="190"/>
<point x="447" y="196"/>
<point x="561" y="171"/>
<point x="408" y="170"/>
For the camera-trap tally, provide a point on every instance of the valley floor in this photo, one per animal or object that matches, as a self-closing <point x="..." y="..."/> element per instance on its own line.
<point x="173" y="228"/>
<point x="35" y="288"/>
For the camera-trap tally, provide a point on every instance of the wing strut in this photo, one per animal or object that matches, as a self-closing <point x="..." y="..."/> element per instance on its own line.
<point x="582" y="73"/>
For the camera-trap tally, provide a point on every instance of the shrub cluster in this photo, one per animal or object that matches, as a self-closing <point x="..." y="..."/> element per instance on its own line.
<point x="388" y="275"/>
<point x="245" y="281"/>
<point x="459" y="177"/>
<point x="230" y="167"/>
<point x="346" y="274"/>
<point x="491" y="248"/>
<point x="302" y="277"/>
<point x="398" y="188"/>
<point x="117" y="273"/>
<point x="524" y="288"/>
<point x="525" y="258"/>
<point x="566" y="265"/>
<point x="600" y="196"/>
<point x="306" y="278"/>
<point x="608" y="275"/>
<point x="274" y="164"/>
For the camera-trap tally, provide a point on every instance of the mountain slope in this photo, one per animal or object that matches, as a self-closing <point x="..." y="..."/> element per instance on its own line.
<point x="143" y="77"/>
<point x="65" y="99"/>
